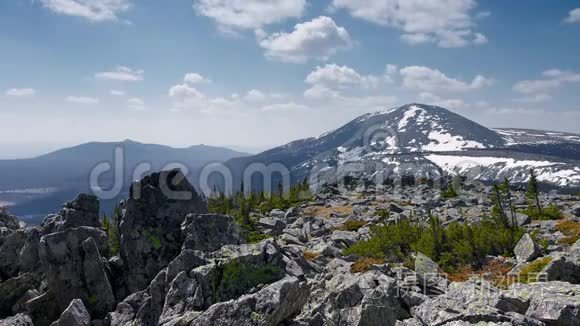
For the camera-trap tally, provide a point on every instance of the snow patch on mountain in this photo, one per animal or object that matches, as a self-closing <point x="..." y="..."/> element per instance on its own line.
<point x="497" y="168"/>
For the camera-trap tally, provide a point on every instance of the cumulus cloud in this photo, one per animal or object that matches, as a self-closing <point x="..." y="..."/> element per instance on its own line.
<point x="231" y="15"/>
<point x="195" y="78"/>
<point x="573" y="16"/>
<point x="92" y="10"/>
<point x="553" y="78"/>
<point x="20" y="92"/>
<point x="82" y="100"/>
<point x="185" y="91"/>
<point x="121" y="73"/>
<point x="423" y="78"/>
<point x="448" y="23"/>
<point x="341" y="76"/>
<point x="319" y="38"/>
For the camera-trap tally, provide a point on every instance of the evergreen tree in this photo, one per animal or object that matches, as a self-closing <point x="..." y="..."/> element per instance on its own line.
<point x="533" y="194"/>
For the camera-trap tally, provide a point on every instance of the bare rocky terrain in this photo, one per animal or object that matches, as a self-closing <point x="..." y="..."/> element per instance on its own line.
<point x="177" y="264"/>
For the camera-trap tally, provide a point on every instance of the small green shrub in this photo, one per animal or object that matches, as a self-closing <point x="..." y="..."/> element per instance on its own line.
<point x="449" y="192"/>
<point x="235" y="278"/>
<point x="456" y="245"/>
<point x="550" y="212"/>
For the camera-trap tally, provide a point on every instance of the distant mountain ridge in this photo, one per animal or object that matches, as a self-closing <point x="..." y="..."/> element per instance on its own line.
<point x="36" y="186"/>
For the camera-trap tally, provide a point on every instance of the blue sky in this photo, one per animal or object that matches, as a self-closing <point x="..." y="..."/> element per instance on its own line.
<point x="260" y="73"/>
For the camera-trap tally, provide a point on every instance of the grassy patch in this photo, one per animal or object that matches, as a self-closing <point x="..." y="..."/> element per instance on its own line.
<point x="352" y="225"/>
<point x="364" y="264"/>
<point x="571" y="230"/>
<point x="310" y="255"/>
<point x="326" y="212"/>
<point x="494" y="271"/>
<point x="235" y="278"/>
<point x="529" y="273"/>
<point x="255" y="237"/>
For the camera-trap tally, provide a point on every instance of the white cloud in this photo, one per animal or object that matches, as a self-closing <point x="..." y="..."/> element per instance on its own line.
<point x="448" y="23"/>
<point x="20" y="92"/>
<point x="136" y="104"/>
<point x="255" y="95"/>
<point x="554" y="78"/>
<point x="195" y="78"/>
<point x="320" y="92"/>
<point x="122" y="73"/>
<point x="231" y="15"/>
<point x="480" y="39"/>
<point x="183" y="91"/>
<point x="82" y="100"/>
<point x="536" y="98"/>
<point x="341" y="76"/>
<point x="433" y="99"/>
<point x="319" y="38"/>
<point x="93" y="10"/>
<point x="118" y="93"/>
<point x="573" y="16"/>
<point x="422" y="78"/>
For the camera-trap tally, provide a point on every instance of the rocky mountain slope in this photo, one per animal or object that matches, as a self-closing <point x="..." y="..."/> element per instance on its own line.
<point x="34" y="187"/>
<point x="429" y="141"/>
<point x="178" y="265"/>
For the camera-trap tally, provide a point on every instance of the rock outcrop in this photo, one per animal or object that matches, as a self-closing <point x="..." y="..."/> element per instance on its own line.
<point x="73" y="264"/>
<point x="150" y="227"/>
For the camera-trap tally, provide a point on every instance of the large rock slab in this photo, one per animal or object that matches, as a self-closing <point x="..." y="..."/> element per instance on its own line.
<point x="75" y="315"/>
<point x="554" y="303"/>
<point x="273" y="305"/>
<point x="150" y="227"/>
<point x="43" y="310"/>
<point x="526" y="249"/>
<point x="74" y="268"/>
<point x="10" y="254"/>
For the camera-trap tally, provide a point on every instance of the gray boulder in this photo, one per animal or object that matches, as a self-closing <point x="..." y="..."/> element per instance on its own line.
<point x="18" y="320"/>
<point x="576" y="210"/>
<point x="554" y="303"/>
<point x="272" y="225"/>
<point x="562" y="267"/>
<point x="150" y="227"/>
<point x="13" y="289"/>
<point x="273" y="305"/>
<point x="209" y="232"/>
<point x="43" y="309"/>
<point x="10" y="254"/>
<point x="141" y="308"/>
<point x="472" y="302"/>
<point x="424" y="266"/>
<point x="526" y="249"/>
<point x="74" y="268"/>
<point x="75" y="315"/>
<point x="367" y="299"/>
